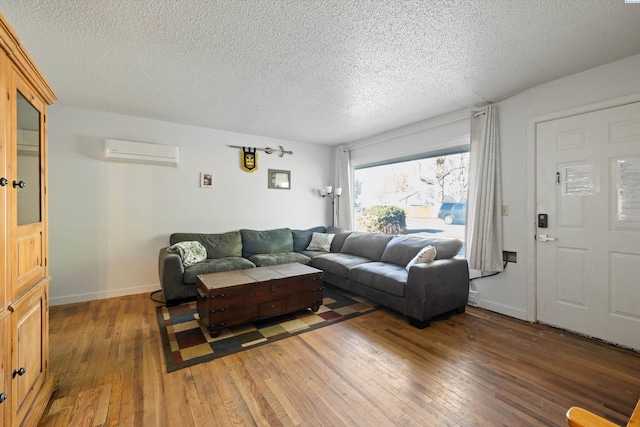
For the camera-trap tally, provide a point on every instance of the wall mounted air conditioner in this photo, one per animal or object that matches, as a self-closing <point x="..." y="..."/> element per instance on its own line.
<point x="140" y="152"/>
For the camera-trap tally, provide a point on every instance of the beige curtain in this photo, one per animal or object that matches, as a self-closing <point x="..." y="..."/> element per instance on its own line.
<point x="484" y="205"/>
<point x="342" y="213"/>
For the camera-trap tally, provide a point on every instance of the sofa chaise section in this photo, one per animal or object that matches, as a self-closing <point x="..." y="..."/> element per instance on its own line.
<point x="375" y="267"/>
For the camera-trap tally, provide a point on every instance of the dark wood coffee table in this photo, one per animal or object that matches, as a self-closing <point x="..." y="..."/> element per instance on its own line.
<point x="241" y="296"/>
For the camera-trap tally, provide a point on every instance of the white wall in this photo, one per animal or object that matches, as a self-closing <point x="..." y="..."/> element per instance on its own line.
<point x="109" y="220"/>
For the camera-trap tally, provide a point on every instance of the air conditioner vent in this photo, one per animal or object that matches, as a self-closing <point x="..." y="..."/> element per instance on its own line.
<point x="140" y="152"/>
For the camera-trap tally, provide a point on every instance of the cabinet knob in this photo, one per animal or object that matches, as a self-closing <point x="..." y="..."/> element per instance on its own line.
<point x="3" y="181"/>
<point x="3" y="397"/>
<point x="20" y="184"/>
<point x="19" y="372"/>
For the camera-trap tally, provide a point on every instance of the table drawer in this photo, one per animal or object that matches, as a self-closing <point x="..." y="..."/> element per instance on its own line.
<point x="272" y="308"/>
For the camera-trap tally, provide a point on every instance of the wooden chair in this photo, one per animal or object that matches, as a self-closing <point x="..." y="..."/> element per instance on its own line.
<point x="578" y="417"/>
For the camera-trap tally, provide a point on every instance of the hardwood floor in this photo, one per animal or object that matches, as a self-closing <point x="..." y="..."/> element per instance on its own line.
<point x="473" y="369"/>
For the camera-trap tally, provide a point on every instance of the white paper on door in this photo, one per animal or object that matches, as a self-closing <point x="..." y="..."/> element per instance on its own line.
<point x="581" y="180"/>
<point x="628" y="189"/>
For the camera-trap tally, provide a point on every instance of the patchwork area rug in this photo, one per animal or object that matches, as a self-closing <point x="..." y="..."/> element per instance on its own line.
<point x="186" y="342"/>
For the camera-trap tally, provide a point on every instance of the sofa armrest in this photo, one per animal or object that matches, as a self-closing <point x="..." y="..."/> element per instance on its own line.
<point x="437" y="287"/>
<point x="171" y="274"/>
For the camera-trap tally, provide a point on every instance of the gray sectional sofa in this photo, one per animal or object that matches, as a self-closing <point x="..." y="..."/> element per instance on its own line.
<point x="367" y="264"/>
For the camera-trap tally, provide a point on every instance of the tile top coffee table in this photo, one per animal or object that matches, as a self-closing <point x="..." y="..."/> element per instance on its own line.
<point x="241" y="296"/>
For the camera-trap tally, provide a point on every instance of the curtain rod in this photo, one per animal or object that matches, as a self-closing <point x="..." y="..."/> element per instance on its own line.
<point x="281" y="151"/>
<point x="479" y="113"/>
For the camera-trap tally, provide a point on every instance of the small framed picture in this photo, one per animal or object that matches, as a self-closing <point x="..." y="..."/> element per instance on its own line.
<point x="279" y="179"/>
<point x="206" y="180"/>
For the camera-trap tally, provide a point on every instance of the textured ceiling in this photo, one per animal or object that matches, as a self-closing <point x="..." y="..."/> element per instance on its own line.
<point x="320" y="71"/>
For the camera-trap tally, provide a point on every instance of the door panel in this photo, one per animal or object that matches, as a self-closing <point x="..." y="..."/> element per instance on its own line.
<point x="588" y="182"/>
<point x="29" y="266"/>
<point x="30" y="341"/>
<point x="571" y="278"/>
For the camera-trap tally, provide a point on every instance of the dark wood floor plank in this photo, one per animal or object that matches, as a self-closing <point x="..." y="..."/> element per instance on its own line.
<point x="477" y="368"/>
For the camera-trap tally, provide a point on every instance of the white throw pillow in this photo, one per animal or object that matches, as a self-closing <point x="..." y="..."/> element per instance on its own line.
<point x="320" y="242"/>
<point x="427" y="254"/>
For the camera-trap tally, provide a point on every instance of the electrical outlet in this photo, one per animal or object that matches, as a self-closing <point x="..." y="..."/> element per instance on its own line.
<point x="510" y="256"/>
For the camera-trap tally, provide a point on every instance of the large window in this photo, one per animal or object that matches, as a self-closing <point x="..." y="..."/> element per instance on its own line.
<point x="429" y="193"/>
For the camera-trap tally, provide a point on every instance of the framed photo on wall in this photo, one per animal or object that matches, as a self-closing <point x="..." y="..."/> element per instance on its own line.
<point x="206" y="180"/>
<point x="279" y="179"/>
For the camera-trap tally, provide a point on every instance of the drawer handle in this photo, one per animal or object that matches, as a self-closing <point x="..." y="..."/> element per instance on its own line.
<point x="217" y="296"/>
<point x="318" y="289"/>
<point x="3" y="182"/>
<point x="217" y="325"/>
<point x="3" y="397"/>
<point x="20" y="184"/>
<point x="19" y="372"/>
<point x="217" y="310"/>
<point x="273" y="286"/>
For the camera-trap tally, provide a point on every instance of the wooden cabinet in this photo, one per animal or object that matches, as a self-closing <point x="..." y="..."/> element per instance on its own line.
<point x="24" y="288"/>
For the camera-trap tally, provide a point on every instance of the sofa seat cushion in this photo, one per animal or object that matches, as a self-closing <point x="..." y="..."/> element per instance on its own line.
<point x="389" y="278"/>
<point x="262" y="260"/>
<point x="337" y="263"/>
<point x="215" y="266"/>
<point x="312" y="254"/>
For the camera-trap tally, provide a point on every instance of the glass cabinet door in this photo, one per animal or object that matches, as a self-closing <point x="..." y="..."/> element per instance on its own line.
<point x="28" y="186"/>
<point x="28" y="162"/>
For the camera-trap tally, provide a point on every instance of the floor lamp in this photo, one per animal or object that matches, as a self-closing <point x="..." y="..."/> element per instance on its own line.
<point x="328" y="192"/>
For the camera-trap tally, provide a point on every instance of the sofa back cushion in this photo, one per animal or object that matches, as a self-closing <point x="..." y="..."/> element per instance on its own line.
<point x="302" y="238"/>
<point x="402" y="249"/>
<point x="445" y="248"/>
<point x="276" y="241"/>
<point x="338" y="240"/>
<point x="367" y="245"/>
<point x="217" y="245"/>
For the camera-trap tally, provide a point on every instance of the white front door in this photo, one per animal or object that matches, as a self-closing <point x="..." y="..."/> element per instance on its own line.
<point x="588" y="185"/>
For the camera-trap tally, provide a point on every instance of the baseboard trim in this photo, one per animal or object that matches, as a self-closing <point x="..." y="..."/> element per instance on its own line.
<point x="503" y="309"/>
<point x="92" y="296"/>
